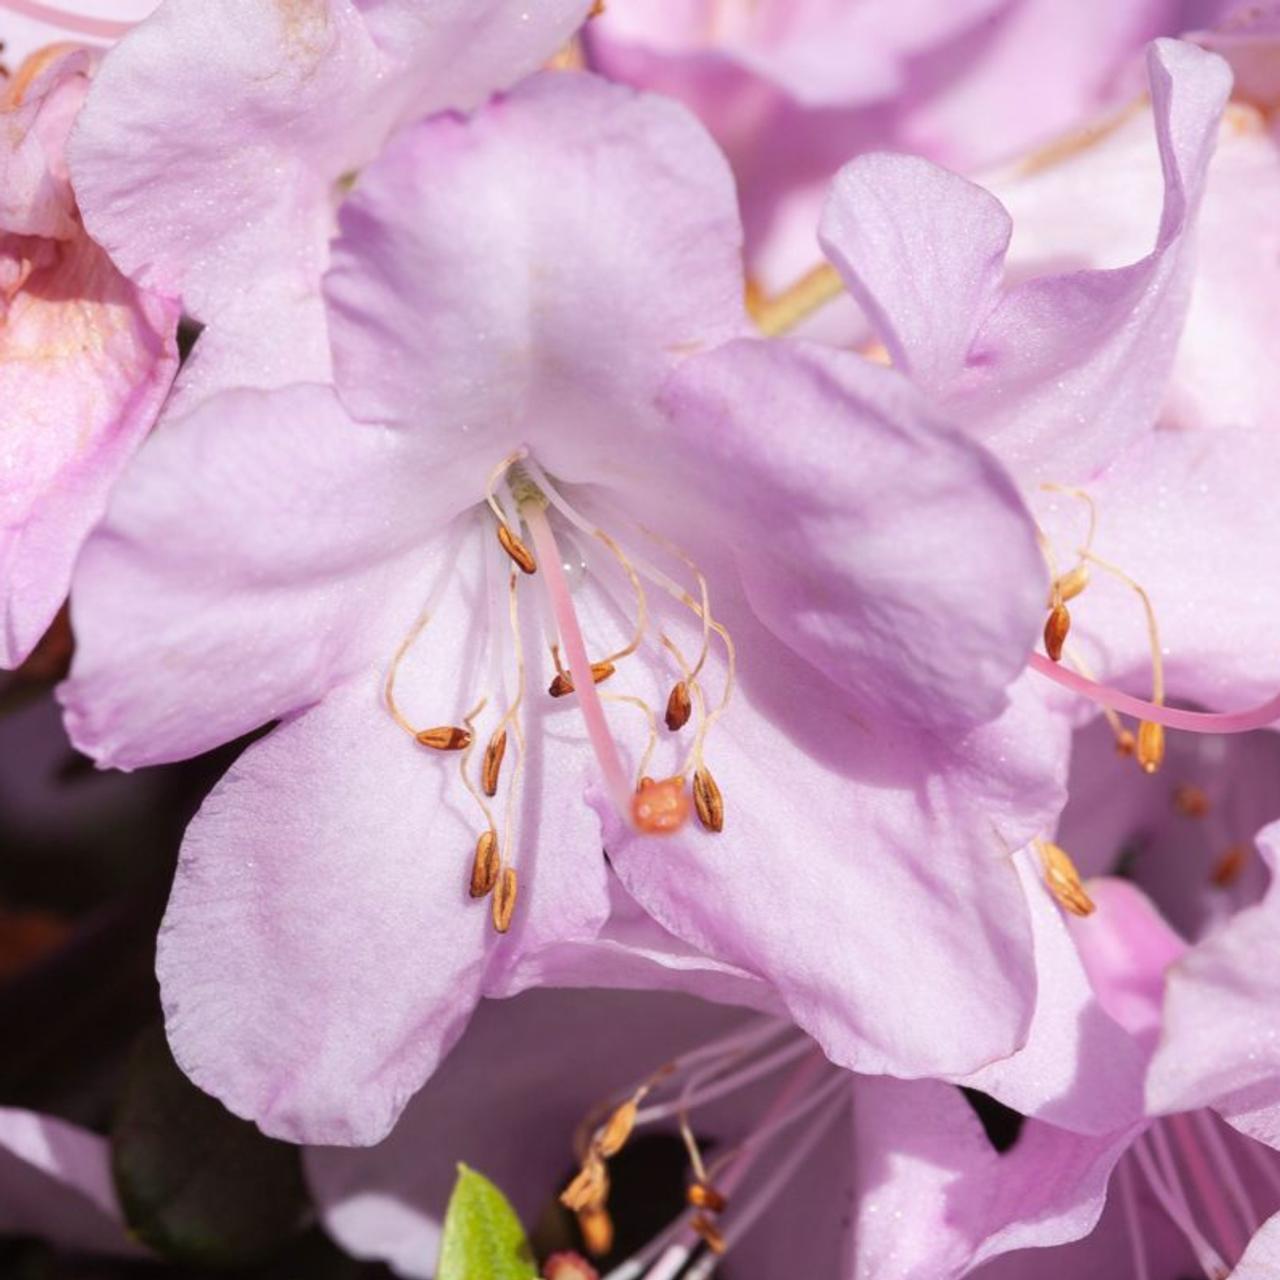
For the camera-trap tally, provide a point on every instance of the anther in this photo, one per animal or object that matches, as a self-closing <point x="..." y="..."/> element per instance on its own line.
<point x="504" y="899"/>
<point x="618" y="1129"/>
<point x="590" y="1185"/>
<point x="597" y="1229"/>
<point x="1055" y="631"/>
<point x="517" y="550"/>
<point x="701" y="1195"/>
<point x="1226" y="871"/>
<point x="679" y="706"/>
<point x="487" y="864"/>
<point x="562" y="685"/>
<point x="1063" y="879"/>
<point x="1126" y="743"/>
<point x="445" y="737"/>
<point x="1190" y="801"/>
<point x="1150" y="745"/>
<point x="493" y="754"/>
<point x="707" y="799"/>
<point x="1070" y="585"/>
<point x="709" y="1232"/>
<point x="661" y="808"/>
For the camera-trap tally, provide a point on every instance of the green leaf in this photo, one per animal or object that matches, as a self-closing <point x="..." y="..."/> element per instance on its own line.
<point x="197" y="1184"/>
<point x="483" y="1238"/>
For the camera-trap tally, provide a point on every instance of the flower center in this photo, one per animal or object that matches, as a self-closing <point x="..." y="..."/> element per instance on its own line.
<point x="726" y="1195"/>
<point x="524" y="501"/>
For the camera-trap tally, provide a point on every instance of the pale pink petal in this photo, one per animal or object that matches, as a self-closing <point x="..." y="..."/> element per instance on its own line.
<point x="245" y="567"/>
<point x="921" y="958"/>
<point x="453" y="300"/>
<point x="1080" y="1068"/>
<point x="935" y="1198"/>
<point x="1261" y="1259"/>
<point x="1220" y="1046"/>
<point x="320" y="952"/>
<point x="209" y="157"/>
<point x="885" y="549"/>
<point x="55" y="1184"/>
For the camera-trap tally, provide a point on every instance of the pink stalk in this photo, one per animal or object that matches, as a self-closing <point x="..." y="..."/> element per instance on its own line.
<point x="79" y="24"/>
<point x="1171" y="717"/>
<point x="584" y="687"/>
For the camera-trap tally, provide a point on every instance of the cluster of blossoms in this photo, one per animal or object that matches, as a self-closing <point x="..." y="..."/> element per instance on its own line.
<point x="750" y="513"/>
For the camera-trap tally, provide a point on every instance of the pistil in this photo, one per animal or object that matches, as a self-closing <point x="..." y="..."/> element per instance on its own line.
<point x="75" y="23"/>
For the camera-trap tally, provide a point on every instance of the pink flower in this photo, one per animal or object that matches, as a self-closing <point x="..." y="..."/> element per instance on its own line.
<point x="85" y="356"/>
<point x="219" y="140"/>
<point x="542" y="305"/>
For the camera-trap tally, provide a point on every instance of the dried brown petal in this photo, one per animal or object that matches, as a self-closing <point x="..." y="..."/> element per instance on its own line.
<point x="504" y="899"/>
<point x="679" y="706"/>
<point x="1055" y="631"/>
<point x="617" y="1129"/>
<point x="487" y="864"/>
<point x="445" y="737"/>
<point x="517" y="550"/>
<point x="492" y="765"/>
<point x="1150" y="745"/>
<point x="707" y="800"/>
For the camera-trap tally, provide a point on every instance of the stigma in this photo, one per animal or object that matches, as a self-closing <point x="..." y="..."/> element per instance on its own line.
<point x="535" y="532"/>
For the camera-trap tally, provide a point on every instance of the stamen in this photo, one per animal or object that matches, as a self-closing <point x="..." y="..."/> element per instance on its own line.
<point x="1063" y="880"/>
<point x="1167" y="1187"/>
<point x="679" y="706"/>
<point x="777" y="314"/>
<point x="1226" y="1167"/>
<point x="652" y="721"/>
<point x="708" y="1232"/>
<point x="492" y="765"/>
<point x="597" y="1229"/>
<point x="618" y="1129"/>
<point x="80" y="24"/>
<point x="1126" y="743"/>
<point x="1137" y="1246"/>
<point x="1226" y="871"/>
<point x="1072" y="583"/>
<point x="1150" y="746"/>
<point x="487" y="864"/>
<point x="445" y="737"/>
<point x="504" y="899"/>
<point x="708" y="800"/>
<point x="1055" y="631"/>
<point x="1190" y="801"/>
<point x="562" y="685"/>
<point x="1203" y="1178"/>
<point x="516" y="549"/>
<point x="702" y="1196"/>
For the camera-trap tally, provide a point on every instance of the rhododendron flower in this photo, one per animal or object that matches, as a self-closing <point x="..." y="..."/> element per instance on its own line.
<point x="85" y="356"/>
<point x="219" y="140"/>
<point x="793" y="90"/>
<point x="537" y="321"/>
